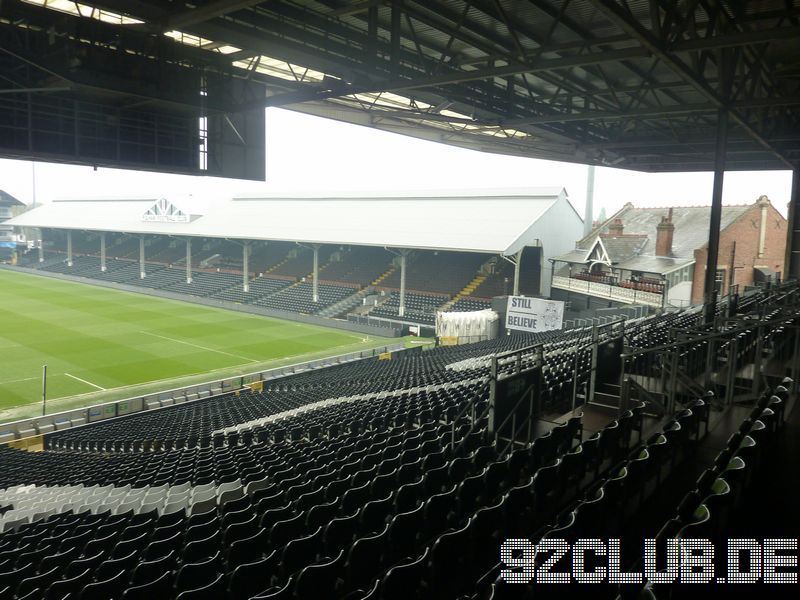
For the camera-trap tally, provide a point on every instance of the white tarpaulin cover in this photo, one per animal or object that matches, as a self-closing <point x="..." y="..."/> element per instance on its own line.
<point x="534" y="314"/>
<point x="467" y="326"/>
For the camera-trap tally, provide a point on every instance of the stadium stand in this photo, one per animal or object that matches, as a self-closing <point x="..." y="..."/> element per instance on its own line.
<point x="370" y="479"/>
<point x="298" y="297"/>
<point x="438" y="272"/>
<point x="420" y="308"/>
<point x="356" y="265"/>
<point x="435" y="280"/>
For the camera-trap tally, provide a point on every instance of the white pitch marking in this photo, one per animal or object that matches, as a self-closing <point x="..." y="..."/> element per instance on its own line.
<point x="94" y="385"/>
<point x="19" y="380"/>
<point x="164" y="337"/>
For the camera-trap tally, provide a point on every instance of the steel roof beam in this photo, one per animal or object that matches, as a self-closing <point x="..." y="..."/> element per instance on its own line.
<point x="206" y="12"/>
<point x="544" y="66"/>
<point x="617" y="15"/>
<point x="658" y="111"/>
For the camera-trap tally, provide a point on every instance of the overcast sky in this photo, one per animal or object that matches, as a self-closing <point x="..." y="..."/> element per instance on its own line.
<point x="307" y="153"/>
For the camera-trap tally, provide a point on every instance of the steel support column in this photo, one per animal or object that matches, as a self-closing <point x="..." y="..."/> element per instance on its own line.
<point x="69" y="247"/>
<point x="517" y="264"/>
<point x="142" y="272"/>
<point x="41" y="245"/>
<point x="716" y="216"/>
<point x="189" y="260"/>
<point x="791" y="268"/>
<point x="245" y="267"/>
<point x="103" y="252"/>
<point x="315" y="275"/>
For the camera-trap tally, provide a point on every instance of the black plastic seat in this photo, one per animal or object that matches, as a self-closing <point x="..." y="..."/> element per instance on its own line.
<point x="76" y="567"/>
<point x="248" y="579"/>
<point x="374" y="513"/>
<point x="195" y="575"/>
<point x="450" y="554"/>
<point x="340" y="532"/>
<point x="365" y="558"/>
<point x="61" y="588"/>
<point x="38" y="582"/>
<point x="405" y="529"/>
<point x="199" y="550"/>
<point x="137" y="544"/>
<point x="163" y="547"/>
<point x="161" y="587"/>
<point x="213" y="591"/>
<point x="149" y="570"/>
<point x="283" y="592"/>
<point x="107" y="589"/>
<point x="439" y="512"/>
<point x="301" y="552"/>
<point x="318" y="579"/>
<point x="286" y="530"/>
<point x="405" y="581"/>
<point x="247" y="549"/>
<point x="321" y="514"/>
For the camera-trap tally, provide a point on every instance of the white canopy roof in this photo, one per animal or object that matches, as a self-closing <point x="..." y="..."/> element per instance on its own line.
<point x="492" y="221"/>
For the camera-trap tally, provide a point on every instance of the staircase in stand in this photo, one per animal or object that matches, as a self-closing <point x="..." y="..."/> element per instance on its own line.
<point x="391" y="270"/>
<point x="344" y="306"/>
<point x="467" y="291"/>
<point x="280" y="264"/>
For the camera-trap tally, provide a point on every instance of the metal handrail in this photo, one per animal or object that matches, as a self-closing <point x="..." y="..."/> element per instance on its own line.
<point x="231" y="383"/>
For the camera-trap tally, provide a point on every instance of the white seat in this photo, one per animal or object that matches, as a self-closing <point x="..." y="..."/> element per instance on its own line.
<point x="173" y="507"/>
<point x="181" y="487"/>
<point x="124" y="507"/>
<point x="200" y="489"/>
<point x="150" y="506"/>
<point x="12" y="524"/>
<point x="210" y="494"/>
<point x="154" y="496"/>
<point x="228" y="495"/>
<point x="180" y="496"/>
<point x="204" y="506"/>
<point x="253" y="486"/>
<point x="230" y="485"/>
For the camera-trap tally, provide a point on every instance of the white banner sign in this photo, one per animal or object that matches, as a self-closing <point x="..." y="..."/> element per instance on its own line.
<point x="534" y="314"/>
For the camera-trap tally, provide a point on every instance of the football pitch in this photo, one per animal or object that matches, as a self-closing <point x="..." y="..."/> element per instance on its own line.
<point x="101" y="344"/>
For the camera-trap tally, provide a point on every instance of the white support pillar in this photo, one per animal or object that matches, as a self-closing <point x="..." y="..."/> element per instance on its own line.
<point x="142" y="272"/>
<point x="401" y="311"/>
<point x="588" y="213"/>
<point x="246" y="267"/>
<point x="517" y="264"/>
<point x="41" y="245"/>
<point x="69" y="247"/>
<point x="103" y="252"/>
<point x="763" y="203"/>
<point x="188" y="260"/>
<point x="315" y="275"/>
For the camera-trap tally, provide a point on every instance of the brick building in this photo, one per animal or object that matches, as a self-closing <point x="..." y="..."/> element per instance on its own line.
<point x="657" y="256"/>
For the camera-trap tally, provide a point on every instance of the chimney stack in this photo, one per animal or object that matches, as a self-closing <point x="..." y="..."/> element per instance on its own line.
<point x="616" y="228"/>
<point x="664" y="233"/>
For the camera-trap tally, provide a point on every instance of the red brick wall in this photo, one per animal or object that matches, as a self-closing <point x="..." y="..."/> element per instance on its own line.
<point x="745" y="233"/>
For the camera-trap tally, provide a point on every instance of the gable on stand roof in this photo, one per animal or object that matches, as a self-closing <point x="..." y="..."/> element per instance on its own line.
<point x="598" y="253"/>
<point x="164" y="211"/>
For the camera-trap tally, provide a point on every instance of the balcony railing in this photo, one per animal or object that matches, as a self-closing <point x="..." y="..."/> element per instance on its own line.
<point x="611" y="292"/>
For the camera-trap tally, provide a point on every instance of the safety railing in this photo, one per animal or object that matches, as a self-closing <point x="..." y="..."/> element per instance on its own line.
<point x="697" y="361"/>
<point x="90" y="414"/>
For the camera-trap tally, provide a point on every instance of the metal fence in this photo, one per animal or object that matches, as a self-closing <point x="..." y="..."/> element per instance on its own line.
<point x="81" y="416"/>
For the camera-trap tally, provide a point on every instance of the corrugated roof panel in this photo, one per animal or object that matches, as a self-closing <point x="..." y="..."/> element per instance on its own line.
<point x="474" y="221"/>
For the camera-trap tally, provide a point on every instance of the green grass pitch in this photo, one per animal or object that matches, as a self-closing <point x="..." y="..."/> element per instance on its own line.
<point x="101" y="344"/>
